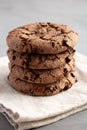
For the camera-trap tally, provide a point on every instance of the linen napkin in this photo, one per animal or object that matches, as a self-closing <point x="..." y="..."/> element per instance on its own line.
<point x="25" y="112"/>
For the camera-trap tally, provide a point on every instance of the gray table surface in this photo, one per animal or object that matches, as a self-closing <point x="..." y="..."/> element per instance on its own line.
<point x="15" y="13"/>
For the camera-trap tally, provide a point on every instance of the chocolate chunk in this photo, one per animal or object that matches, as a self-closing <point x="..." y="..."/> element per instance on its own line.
<point x="14" y="57"/>
<point x="67" y="60"/>
<point x="65" y="70"/>
<point x="76" y="80"/>
<point x="72" y="75"/>
<point x="74" y="50"/>
<point x="53" y="44"/>
<point x="47" y="90"/>
<point x="66" y="87"/>
<point x="64" y="43"/>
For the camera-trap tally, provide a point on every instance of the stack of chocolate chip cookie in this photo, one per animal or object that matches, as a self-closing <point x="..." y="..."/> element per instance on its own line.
<point x="41" y="58"/>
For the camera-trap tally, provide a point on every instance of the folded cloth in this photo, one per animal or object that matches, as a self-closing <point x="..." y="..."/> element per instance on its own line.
<point x="24" y="111"/>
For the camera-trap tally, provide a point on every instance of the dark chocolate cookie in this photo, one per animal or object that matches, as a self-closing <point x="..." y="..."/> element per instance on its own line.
<point x="41" y="76"/>
<point x="37" y="76"/>
<point x="42" y="38"/>
<point x="40" y="61"/>
<point x="41" y="89"/>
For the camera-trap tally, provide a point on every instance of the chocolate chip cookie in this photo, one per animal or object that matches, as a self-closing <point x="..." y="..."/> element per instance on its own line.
<point x="41" y="58"/>
<point x="37" y="76"/>
<point x="41" y="89"/>
<point x="40" y="61"/>
<point x="41" y="76"/>
<point x="42" y="38"/>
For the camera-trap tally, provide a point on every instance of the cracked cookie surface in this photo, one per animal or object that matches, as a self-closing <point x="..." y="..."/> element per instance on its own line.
<point x="41" y="89"/>
<point x="40" y="61"/>
<point x="37" y="76"/>
<point x="42" y="38"/>
<point x="41" y="76"/>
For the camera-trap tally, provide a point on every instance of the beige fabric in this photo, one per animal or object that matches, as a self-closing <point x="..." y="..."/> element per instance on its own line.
<point x="25" y="111"/>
